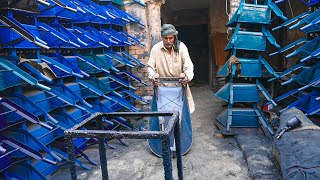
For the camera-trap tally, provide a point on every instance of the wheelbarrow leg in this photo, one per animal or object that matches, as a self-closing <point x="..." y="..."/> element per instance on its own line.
<point x="166" y="156"/>
<point x="71" y="157"/>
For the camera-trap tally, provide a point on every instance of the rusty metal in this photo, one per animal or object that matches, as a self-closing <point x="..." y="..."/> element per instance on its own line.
<point x="101" y="134"/>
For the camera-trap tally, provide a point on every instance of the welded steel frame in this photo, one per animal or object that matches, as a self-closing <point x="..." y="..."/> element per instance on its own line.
<point x="101" y="134"/>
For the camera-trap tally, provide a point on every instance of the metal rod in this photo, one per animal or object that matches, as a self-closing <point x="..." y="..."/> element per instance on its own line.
<point x="102" y="134"/>
<point x="71" y="159"/>
<point x="102" y="152"/>
<point x="120" y="134"/>
<point x="178" y="150"/>
<point x="166" y="157"/>
<point x="122" y="114"/>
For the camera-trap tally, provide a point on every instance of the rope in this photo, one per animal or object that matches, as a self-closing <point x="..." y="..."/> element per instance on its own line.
<point x="234" y="60"/>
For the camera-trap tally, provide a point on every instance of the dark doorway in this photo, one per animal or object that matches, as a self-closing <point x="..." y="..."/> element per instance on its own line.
<point x="196" y="39"/>
<point x="190" y="18"/>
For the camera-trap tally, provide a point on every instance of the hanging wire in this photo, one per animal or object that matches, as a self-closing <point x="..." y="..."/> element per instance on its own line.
<point x="290" y="8"/>
<point x="229" y="30"/>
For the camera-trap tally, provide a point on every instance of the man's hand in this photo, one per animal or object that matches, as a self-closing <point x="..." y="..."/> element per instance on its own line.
<point x="155" y="80"/>
<point x="183" y="79"/>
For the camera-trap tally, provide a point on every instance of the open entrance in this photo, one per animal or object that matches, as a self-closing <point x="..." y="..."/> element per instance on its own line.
<point x="195" y="38"/>
<point x="191" y="20"/>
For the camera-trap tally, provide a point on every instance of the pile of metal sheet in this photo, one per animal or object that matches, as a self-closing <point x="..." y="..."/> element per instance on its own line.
<point x="245" y="66"/>
<point x="61" y="61"/>
<point x="306" y="73"/>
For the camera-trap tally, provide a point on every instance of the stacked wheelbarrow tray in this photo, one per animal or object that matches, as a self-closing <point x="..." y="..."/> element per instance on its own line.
<point x="305" y="75"/>
<point x="245" y="66"/>
<point x="60" y="62"/>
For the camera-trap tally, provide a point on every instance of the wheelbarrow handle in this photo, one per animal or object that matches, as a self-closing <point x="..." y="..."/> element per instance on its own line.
<point x="170" y="79"/>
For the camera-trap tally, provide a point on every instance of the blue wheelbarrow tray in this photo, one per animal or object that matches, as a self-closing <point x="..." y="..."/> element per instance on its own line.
<point x="70" y="34"/>
<point x="117" y="37"/>
<point x="25" y="6"/>
<point x="249" y="117"/>
<point x="247" y="40"/>
<point x="92" y="14"/>
<point x="249" y="67"/>
<point x="101" y="64"/>
<point x="103" y="89"/>
<point x="240" y="92"/>
<point x="69" y="68"/>
<point x="294" y="44"/>
<point x="243" y="92"/>
<point x="64" y="69"/>
<point x="241" y="118"/>
<point x="14" y="114"/>
<point x="105" y="39"/>
<point x="130" y="57"/>
<point x="307" y="103"/>
<point x="132" y="77"/>
<point x="171" y="98"/>
<point x="313" y="26"/>
<point x="13" y="168"/>
<point x="70" y="116"/>
<point x="307" y="75"/>
<point x="116" y="59"/>
<point x="88" y="38"/>
<point x="253" y="14"/>
<point x="14" y="30"/>
<point x="40" y="34"/>
<point x="86" y="65"/>
<point x="63" y="9"/>
<point x="231" y="121"/>
<point x="307" y="20"/>
<point x="103" y="60"/>
<point x="310" y="2"/>
<point x="243" y="40"/>
<point x="35" y="137"/>
<point x="110" y="104"/>
<point x="15" y="72"/>
<point x="7" y="79"/>
<point x="307" y="49"/>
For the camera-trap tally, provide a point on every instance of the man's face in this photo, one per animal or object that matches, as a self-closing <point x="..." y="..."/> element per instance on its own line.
<point x="168" y="41"/>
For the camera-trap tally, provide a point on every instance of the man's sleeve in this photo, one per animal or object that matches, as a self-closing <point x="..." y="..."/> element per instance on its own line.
<point x="188" y="65"/>
<point x="151" y="65"/>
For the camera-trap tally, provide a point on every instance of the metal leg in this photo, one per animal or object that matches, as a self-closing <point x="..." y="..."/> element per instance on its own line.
<point x="71" y="157"/>
<point x="166" y="156"/>
<point x="178" y="150"/>
<point x="102" y="152"/>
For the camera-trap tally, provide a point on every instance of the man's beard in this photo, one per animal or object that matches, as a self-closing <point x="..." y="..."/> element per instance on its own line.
<point x="168" y="45"/>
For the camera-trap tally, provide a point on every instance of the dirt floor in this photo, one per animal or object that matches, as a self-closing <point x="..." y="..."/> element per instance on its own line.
<point x="211" y="156"/>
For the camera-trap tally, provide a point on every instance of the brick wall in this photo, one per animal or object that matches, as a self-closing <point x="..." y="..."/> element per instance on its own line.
<point x="148" y="35"/>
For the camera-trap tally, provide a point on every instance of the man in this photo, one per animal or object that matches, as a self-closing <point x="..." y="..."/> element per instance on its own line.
<point x="170" y="58"/>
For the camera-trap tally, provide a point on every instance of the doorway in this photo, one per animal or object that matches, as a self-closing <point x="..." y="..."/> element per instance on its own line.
<point x="191" y="20"/>
<point x="195" y="38"/>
